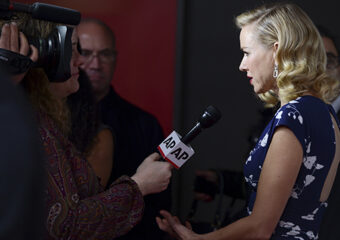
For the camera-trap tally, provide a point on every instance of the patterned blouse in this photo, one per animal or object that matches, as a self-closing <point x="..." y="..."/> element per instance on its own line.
<point x="77" y="207"/>
<point x="309" y="119"/>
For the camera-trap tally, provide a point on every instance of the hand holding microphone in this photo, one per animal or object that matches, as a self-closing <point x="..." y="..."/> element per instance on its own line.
<point x="152" y="176"/>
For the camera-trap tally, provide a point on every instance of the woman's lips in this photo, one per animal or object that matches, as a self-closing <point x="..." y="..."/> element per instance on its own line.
<point x="250" y="80"/>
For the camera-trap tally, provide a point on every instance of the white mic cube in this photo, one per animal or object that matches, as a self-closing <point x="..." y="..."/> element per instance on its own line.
<point x="175" y="151"/>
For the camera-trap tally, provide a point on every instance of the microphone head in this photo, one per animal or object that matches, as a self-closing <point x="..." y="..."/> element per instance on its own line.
<point x="210" y="116"/>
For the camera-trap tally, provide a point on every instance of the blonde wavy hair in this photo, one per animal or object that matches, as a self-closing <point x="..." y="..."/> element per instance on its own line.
<point x="300" y="56"/>
<point x="36" y="82"/>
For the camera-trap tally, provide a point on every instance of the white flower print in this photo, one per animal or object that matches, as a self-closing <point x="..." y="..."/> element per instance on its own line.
<point x="319" y="166"/>
<point x="309" y="217"/>
<point x="294" y="231"/>
<point x="308" y="146"/>
<point x="264" y="140"/>
<point x="296" y="115"/>
<point x="279" y="115"/>
<point x="250" y="180"/>
<point x="309" y="179"/>
<point x="311" y="235"/>
<point x="309" y="162"/>
<point x="248" y="159"/>
<point x="286" y="224"/>
<point x="293" y="113"/>
<point x="294" y="195"/>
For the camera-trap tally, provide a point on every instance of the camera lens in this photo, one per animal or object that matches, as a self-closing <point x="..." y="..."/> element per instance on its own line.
<point x="55" y="53"/>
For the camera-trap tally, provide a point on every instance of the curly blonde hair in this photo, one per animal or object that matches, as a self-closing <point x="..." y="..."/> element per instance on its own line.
<point x="36" y="82"/>
<point x="300" y="56"/>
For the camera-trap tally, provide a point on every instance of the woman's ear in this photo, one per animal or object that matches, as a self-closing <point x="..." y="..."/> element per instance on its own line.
<point x="275" y="47"/>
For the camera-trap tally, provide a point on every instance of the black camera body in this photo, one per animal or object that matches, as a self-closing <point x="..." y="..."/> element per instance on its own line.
<point x="55" y="51"/>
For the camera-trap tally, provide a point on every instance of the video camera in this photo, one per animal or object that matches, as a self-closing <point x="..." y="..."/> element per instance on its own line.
<point x="55" y="51"/>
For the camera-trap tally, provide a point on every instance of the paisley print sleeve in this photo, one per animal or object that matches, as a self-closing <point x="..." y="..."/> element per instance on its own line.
<point x="76" y="205"/>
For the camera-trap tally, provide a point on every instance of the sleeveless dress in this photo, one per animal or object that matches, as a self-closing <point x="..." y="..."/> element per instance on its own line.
<point x="309" y="119"/>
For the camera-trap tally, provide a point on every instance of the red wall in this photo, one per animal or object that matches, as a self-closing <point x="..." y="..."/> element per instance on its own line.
<point x="145" y="31"/>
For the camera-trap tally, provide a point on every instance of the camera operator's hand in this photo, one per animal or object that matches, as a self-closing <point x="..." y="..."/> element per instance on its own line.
<point x="152" y="176"/>
<point x="13" y="40"/>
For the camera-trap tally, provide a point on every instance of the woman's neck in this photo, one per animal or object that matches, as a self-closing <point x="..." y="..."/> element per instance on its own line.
<point x="307" y="93"/>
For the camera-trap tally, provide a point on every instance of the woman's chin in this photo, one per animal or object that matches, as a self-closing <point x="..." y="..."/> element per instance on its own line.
<point x="76" y="87"/>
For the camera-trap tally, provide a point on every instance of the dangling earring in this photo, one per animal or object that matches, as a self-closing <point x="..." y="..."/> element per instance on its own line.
<point x="276" y="71"/>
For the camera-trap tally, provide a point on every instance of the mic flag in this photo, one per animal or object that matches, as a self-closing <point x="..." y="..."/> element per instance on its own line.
<point x="175" y="151"/>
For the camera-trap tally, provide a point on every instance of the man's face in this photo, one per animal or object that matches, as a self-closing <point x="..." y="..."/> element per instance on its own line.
<point x="99" y="56"/>
<point x="333" y="67"/>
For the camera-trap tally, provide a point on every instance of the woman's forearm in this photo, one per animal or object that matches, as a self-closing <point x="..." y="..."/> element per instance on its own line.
<point x="246" y="228"/>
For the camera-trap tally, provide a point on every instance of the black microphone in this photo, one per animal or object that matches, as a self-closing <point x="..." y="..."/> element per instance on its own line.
<point x="176" y="150"/>
<point x="210" y="116"/>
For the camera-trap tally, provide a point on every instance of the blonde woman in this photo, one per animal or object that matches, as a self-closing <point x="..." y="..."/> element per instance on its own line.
<point x="292" y="168"/>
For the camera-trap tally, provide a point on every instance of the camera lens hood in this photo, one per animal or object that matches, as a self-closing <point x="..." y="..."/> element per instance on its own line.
<point x="55" y="53"/>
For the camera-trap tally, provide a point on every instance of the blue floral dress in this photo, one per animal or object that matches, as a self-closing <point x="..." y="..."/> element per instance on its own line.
<point x="309" y="119"/>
